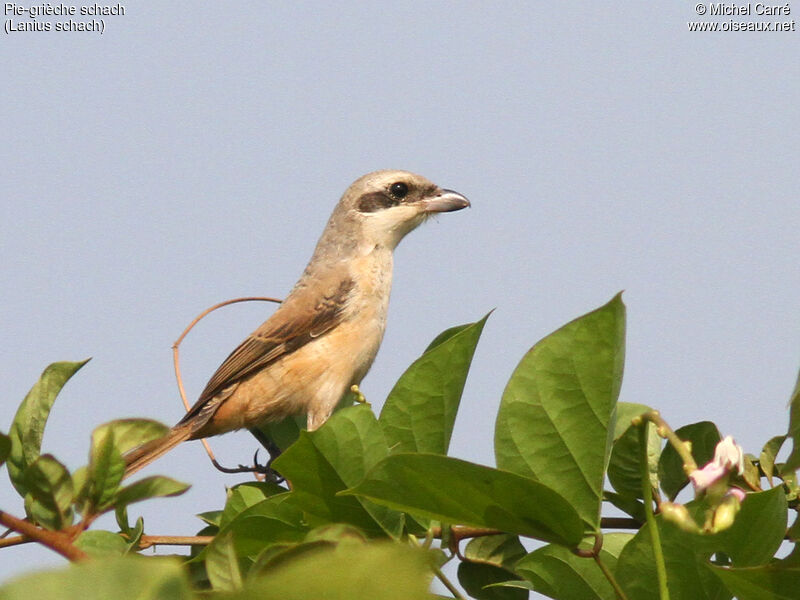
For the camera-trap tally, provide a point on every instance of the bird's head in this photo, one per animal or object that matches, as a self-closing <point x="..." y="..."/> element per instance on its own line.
<point x="386" y="205"/>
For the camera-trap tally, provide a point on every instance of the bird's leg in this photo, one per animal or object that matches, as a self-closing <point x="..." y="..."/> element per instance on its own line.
<point x="272" y="447"/>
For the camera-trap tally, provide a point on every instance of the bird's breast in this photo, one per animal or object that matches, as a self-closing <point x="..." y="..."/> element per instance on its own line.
<point x="368" y="306"/>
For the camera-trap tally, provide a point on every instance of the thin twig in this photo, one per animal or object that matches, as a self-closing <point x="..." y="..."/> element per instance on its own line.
<point x="437" y="570"/>
<point x="146" y="541"/>
<point x="447" y="583"/>
<point x="56" y="541"/>
<point x="620" y="523"/>
<point x="176" y="353"/>
<point x="464" y="531"/>
<point x="610" y="576"/>
<point x="14" y="540"/>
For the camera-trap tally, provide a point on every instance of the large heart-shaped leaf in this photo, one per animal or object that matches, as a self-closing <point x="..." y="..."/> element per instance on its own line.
<point x="556" y="418"/>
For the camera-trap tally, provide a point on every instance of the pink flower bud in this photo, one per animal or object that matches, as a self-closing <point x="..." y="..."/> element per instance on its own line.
<point x="737" y="493"/>
<point x="678" y="514"/>
<point x="725" y="513"/>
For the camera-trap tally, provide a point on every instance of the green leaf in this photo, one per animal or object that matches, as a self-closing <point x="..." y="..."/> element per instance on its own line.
<point x="556" y="418"/>
<point x="558" y="573"/>
<point x="270" y="522"/>
<point x="106" y="469"/>
<point x="448" y="333"/>
<point x="626" y="411"/>
<point x="210" y="517"/>
<point x="626" y="504"/>
<point x="243" y="496"/>
<point x="793" y="462"/>
<point x="335" y="533"/>
<point x="478" y="580"/>
<point x="767" y="582"/>
<point x="757" y="532"/>
<point x="5" y="447"/>
<point x="768" y="454"/>
<point x="134" y="536"/>
<point x="789" y="477"/>
<point x="687" y="576"/>
<point x="751" y="477"/>
<point x="124" y="578"/>
<point x="704" y="437"/>
<point x="420" y="411"/>
<point x="266" y="524"/>
<point x="378" y="571"/>
<point x="354" y="443"/>
<point x="337" y="455"/>
<point x="80" y="486"/>
<point x="29" y="422"/>
<point x="278" y="554"/>
<point x="121" y="515"/>
<point x="753" y="539"/>
<point x="223" y="565"/>
<point x="130" y="433"/>
<point x="490" y="560"/>
<point x="500" y="550"/>
<point x="156" y="486"/>
<point x="518" y="584"/>
<point x="49" y="484"/>
<point x="99" y="544"/>
<point x="456" y="491"/>
<point x="624" y="471"/>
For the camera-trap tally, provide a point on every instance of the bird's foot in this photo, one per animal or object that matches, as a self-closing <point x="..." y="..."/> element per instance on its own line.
<point x="265" y="470"/>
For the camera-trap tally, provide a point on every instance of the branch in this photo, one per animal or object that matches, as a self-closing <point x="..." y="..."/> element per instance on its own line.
<point x="460" y="532"/>
<point x="177" y="361"/>
<point x="56" y="541"/>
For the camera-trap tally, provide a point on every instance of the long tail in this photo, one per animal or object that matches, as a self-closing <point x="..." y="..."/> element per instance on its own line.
<point x="140" y="457"/>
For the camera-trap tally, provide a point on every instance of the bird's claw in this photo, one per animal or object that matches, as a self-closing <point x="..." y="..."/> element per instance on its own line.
<point x="265" y="470"/>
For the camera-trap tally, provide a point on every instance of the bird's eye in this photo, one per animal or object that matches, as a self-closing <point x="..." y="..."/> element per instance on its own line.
<point x="399" y="190"/>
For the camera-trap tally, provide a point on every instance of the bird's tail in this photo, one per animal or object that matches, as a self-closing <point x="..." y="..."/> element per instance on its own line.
<point x="140" y="457"/>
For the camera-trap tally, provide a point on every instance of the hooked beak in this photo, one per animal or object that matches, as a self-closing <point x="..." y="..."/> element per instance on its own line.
<point x="445" y="201"/>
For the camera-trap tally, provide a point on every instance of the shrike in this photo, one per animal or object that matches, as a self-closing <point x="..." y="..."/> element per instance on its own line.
<point x="324" y="336"/>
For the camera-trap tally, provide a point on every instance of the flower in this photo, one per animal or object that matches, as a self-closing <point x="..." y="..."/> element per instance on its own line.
<point x="728" y="457"/>
<point x="728" y="454"/>
<point x="704" y="478"/>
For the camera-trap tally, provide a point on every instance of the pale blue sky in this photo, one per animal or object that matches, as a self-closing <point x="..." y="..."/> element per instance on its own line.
<point x="193" y="152"/>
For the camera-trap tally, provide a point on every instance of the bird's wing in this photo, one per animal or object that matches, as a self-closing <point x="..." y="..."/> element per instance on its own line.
<point x="302" y="317"/>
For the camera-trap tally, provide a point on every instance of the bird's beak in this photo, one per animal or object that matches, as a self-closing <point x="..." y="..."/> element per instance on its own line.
<point x="445" y="201"/>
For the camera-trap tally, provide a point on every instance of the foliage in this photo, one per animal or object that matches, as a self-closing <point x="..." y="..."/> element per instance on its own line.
<point x="370" y="495"/>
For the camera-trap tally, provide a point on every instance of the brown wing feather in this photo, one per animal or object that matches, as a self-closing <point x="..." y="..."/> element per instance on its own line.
<point x="296" y="322"/>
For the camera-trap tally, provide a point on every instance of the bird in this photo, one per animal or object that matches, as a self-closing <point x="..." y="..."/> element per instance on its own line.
<point x="323" y="338"/>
